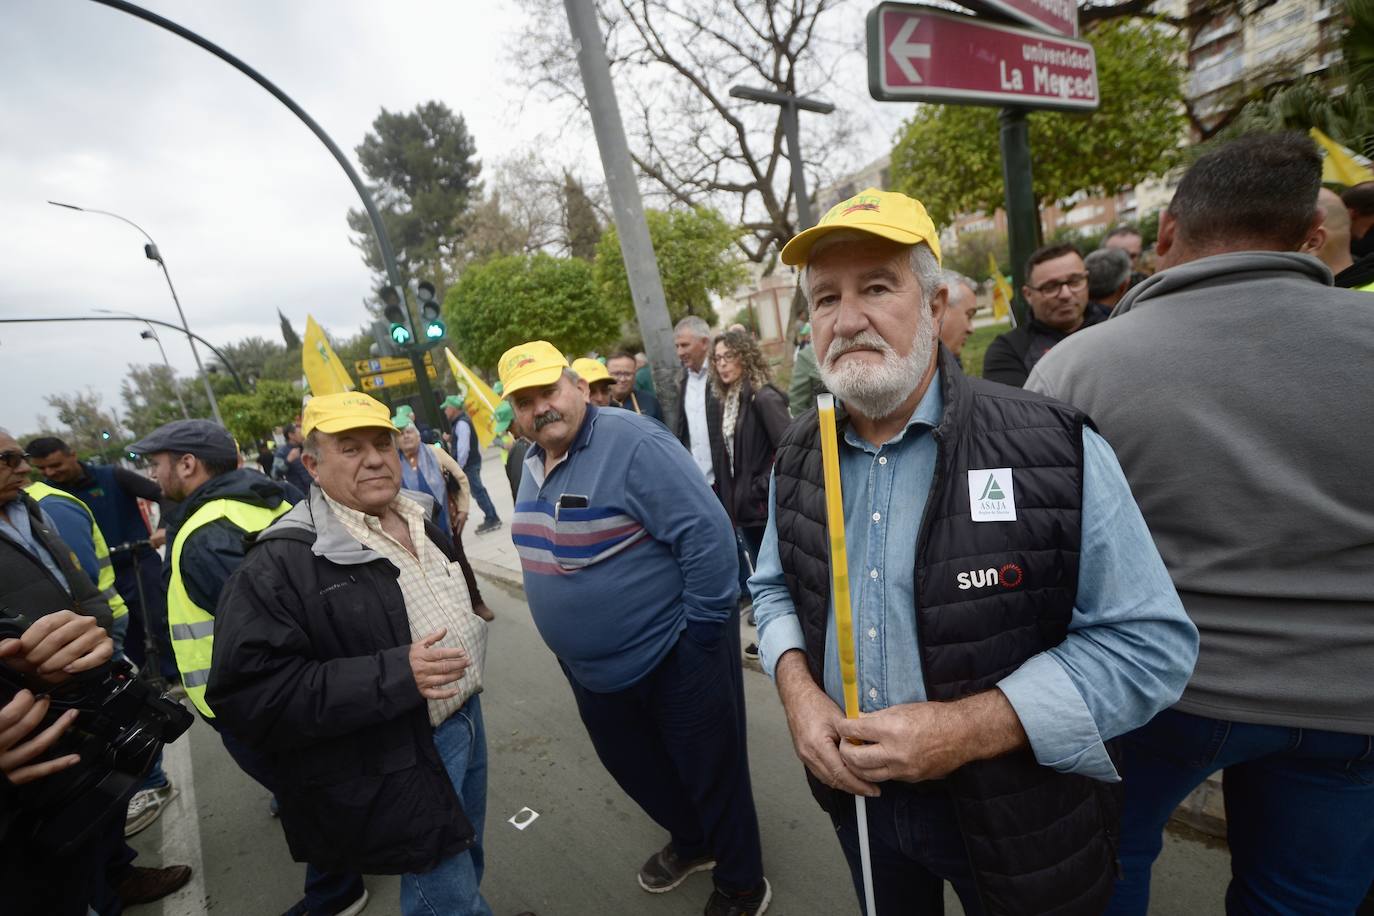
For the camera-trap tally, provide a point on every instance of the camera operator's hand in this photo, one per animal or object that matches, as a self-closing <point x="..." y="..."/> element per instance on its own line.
<point x="58" y="645"/>
<point x="18" y="718"/>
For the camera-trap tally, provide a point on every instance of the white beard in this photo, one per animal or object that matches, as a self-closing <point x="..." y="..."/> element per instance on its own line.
<point x="877" y="391"/>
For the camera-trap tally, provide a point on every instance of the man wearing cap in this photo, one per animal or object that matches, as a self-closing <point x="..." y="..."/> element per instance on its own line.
<point x="806" y="376"/>
<point x="630" y="573"/>
<point x="598" y="380"/>
<point x="468" y="453"/>
<point x="1010" y="611"/>
<point x="218" y="505"/>
<point x="347" y="655"/>
<point x="624" y="394"/>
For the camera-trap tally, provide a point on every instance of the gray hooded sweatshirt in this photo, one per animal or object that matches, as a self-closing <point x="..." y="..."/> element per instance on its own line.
<point x="1238" y="393"/>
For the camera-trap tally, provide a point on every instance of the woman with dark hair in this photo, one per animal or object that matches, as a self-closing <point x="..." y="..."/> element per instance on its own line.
<point x="753" y="415"/>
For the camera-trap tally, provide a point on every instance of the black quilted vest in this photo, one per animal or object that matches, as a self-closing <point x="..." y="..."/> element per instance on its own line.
<point x="26" y="587"/>
<point x="1039" y="841"/>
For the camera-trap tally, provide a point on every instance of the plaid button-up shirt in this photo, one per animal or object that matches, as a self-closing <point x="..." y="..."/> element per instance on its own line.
<point x="434" y="590"/>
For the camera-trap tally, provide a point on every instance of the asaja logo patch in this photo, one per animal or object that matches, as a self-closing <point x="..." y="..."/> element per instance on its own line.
<point x="992" y="495"/>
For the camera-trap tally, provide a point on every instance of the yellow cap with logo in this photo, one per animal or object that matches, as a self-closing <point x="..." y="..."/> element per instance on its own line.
<point x="887" y="214"/>
<point x="336" y="413"/>
<point x="530" y="365"/>
<point x="591" y="370"/>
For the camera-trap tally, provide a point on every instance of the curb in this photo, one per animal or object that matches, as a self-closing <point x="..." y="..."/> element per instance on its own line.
<point x="498" y="573"/>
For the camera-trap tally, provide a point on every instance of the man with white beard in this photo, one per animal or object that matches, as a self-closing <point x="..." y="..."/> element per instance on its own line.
<point x="1011" y="615"/>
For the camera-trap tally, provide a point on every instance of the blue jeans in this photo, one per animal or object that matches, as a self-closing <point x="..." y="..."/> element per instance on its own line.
<point x="479" y="491"/>
<point x="1299" y="811"/>
<point x="452" y="888"/>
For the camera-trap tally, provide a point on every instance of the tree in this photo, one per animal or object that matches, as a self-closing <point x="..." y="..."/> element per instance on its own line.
<point x="682" y="56"/>
<point x="948" y="156"/>
<point x="288" y="333"/>
<point x="150" y="394"/>
<point x="423" y="173"/>
<point x="251" y="417"/>
<point x="696" y="257"/>
<point x="970" y="256"/>
<point x="85" y="420"/>
<point x="252" y="355"/>
<point x="513" y="299"/>
<point x="580" y="222"/>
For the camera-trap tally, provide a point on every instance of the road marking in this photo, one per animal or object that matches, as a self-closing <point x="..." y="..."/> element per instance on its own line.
<point x="181" y="832"/>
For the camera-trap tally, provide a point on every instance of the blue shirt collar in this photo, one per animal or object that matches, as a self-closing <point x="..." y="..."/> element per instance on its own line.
<point x="928" y="413"/>
<point x="534" y="458"/>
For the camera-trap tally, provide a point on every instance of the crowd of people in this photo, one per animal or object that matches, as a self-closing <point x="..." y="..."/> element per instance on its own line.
<point x="1135" y="553"/>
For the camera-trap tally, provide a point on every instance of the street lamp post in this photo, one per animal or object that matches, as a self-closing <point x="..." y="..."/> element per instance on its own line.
<point x="151" y="253"/>
<point x="151" y="334"/>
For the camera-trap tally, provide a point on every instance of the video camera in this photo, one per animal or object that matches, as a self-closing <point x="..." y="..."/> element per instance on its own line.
<point x="121" y="725"/>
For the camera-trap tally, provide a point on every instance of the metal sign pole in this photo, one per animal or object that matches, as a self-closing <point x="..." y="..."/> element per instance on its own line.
<point x="1023" y="214"/>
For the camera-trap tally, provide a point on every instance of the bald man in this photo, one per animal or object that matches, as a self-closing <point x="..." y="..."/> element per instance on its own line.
<point x="1330" y="242"/>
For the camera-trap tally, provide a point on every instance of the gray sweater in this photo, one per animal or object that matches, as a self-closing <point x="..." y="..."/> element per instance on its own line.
<point x="1238" y="393"/>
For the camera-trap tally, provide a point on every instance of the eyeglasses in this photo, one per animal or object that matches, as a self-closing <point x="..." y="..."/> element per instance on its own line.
<point x="1075" y="283"/>
<point x="725" y="357"/>
<point x="14" y="458"/>
<point x="621" y="374"/>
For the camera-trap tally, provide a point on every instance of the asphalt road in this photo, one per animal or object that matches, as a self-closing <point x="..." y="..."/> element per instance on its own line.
<point x="580" y="856"/>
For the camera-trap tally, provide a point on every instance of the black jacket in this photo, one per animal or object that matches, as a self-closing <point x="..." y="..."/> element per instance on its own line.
<point x="216" y="549"/>
<point x="682" y="431"/>
<point x="311" y="667"/>
<point x="742" y="484"/>
<point x="27" y="589"/>
<point x="1361" y="273"/>
<point x="641" y="402"/>
<point x="1011" y="356"/>
<point x="1039" y="841"/>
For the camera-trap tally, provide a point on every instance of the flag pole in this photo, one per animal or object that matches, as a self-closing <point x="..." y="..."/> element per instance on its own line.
<point x="844" y="620"/>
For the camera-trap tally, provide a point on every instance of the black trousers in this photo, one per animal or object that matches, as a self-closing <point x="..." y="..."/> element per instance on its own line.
<point x="915" y="845"/>
<point x="35" y="883"/>
<point x="675" y="742"/>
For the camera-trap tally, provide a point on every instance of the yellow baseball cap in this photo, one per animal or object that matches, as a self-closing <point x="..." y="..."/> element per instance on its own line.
<point x="335" y="413"/>
<point x="886" y="214"/>
<point x="530" y="365"/>
<point x="591" y="370"/>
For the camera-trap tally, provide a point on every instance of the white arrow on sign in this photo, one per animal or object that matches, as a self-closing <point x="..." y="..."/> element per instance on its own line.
<point x="904" y="50"/>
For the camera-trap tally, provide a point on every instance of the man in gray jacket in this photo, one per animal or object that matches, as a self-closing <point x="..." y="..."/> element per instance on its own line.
<point x="1232" y="387"/>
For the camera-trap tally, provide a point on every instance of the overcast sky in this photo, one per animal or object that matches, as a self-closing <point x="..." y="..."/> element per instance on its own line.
<point x="103" y="110"/>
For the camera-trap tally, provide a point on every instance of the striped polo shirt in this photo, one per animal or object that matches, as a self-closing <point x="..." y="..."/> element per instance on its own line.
<point x="620" y="546"/>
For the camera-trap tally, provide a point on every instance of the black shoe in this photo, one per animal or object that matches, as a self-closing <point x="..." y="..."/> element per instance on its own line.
<point x="753" y="903"/>
<point x="665" y="870"/>
<point x="751" y="651"/>
<point x="343" y="908"/>
<point x="490" y="524"/>
<point x="144" y="885"/>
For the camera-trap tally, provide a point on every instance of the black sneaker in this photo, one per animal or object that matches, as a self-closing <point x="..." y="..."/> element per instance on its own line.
<point x="490" y="524"/>
<point x="665" y="870"/>
<point x="751" y="651"/>
<point x="754" y="903"/>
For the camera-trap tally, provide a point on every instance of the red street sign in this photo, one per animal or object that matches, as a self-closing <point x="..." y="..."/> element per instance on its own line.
<point x="917" y="53"/>
<point x="1058" y="17"/>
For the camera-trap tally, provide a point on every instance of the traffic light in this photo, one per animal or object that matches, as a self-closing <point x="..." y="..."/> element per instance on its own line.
<point x="429" y="312"/>
<point x="105" y="435"/>
<point x="395" y="312"/>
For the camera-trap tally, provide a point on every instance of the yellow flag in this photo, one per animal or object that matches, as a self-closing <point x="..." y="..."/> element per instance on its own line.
<point x="1001" y="291"/>
<point x="479" y="400"/>
<point x="1341" y="165"/>
<point x="323" y="370"/>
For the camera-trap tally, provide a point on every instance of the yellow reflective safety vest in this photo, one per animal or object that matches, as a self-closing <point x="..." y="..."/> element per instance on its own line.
<point x="192" y="626"/>
<point x="105" y="582"/>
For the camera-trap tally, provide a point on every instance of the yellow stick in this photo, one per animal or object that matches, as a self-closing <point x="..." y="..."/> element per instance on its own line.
<point x="839" y="560"/>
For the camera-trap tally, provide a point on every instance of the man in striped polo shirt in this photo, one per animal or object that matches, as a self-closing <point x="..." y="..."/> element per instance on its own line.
<point x="631" y="577"/>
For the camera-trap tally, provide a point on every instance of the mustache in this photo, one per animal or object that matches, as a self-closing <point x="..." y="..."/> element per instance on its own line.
<point x="865" y="340"/>
<point x="544" y="419"/>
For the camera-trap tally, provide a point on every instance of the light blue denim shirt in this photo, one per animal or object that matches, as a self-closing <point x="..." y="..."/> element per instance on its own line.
<point x="1130" y="646"/>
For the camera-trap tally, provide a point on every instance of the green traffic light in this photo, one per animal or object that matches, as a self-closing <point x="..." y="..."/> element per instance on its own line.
<point x="105" y="434"/>
<point x="435" y="330"/>
<point x="400" y="334"/>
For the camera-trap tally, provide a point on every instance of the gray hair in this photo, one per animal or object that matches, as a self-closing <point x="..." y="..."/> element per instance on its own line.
<point x="311" y="446"/>
<point x="1108" y="268"/>
<point x="925" y="267"/>
<point x="953" y="277"/>
<point x="693" y="325"/>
